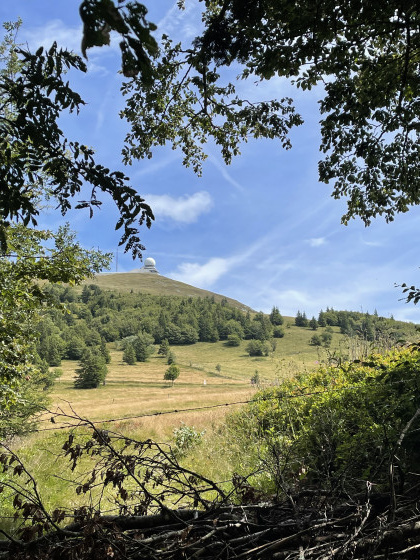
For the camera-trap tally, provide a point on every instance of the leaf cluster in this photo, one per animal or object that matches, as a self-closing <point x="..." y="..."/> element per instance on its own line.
<point x="186" y="104"/>
<point x="38" y="162"/>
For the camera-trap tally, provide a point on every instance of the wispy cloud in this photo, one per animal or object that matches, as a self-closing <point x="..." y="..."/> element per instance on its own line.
<point x="222" y="168"/>
<point x="207" y="274"/>
<point x="182" y="24"/>
<point x="70" y="38"/>
<point x="152" y="167"/>
<point x="317" y="241"/>
<point x="54" y="30"/>
<point x="185" y="209"/>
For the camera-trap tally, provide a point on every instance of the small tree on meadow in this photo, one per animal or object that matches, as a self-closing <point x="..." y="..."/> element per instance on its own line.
<point x="275" y="316"/>
<point x="171" y="358"/>
<point x="129" y="355"/>
<point x="313" y="324"/>
<point x="92" y="370"/>
<point x="301" y="320"/>
<point x="172" y="373"/>
<point x="257" y="348"/>
<point x="143" y="346"/>
<point x="164" y="348"/>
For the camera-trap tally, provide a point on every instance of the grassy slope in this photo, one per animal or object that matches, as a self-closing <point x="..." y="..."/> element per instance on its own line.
<point x="141" y="389"/>
<point x="155" y="284"/>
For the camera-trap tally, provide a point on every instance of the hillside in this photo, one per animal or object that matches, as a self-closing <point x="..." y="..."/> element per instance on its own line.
<point x="156" y="285"/>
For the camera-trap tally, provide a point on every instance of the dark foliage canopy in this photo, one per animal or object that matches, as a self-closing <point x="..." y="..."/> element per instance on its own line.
<point x="365" y="58"/>
<point x="38" y="162"/>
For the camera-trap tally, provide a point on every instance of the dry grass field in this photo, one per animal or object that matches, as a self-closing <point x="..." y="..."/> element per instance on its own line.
<point x="140" y="389"/>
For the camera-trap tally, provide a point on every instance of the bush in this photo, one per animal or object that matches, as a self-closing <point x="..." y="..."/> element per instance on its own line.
<point x="255" y="379"/>
<point x="171" y="359"/>
<point x="233" y="340"/>
<point x="337" y="427"/>
<point x="278" y="332"/>
<point x="257" y="348"/>
<point x="326" y="338"/>
<point x="164" y="348"/>
<point x="186" y="438"/>
<point x="316" y="340"/>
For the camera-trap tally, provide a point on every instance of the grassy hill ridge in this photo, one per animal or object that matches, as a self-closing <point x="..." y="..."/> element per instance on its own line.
<point x="156" y="284"/>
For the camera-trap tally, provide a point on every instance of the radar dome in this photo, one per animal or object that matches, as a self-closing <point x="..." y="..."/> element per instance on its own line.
<point x="149" y="263"/>
<point x="149" y="266"/>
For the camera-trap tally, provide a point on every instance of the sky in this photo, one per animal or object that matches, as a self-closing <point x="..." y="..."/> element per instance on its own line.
<point x="263" y="230"/>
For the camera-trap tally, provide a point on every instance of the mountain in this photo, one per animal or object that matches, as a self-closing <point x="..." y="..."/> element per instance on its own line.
<point x="155" y="284"/>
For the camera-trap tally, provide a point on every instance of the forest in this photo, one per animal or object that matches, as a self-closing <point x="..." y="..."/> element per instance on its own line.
<point x="94" y="316"/>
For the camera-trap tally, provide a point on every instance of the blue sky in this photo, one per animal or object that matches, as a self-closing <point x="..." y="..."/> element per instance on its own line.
<point x="262" y="230"/>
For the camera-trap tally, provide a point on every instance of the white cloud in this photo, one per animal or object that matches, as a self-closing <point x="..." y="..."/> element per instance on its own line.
<point x="317" y="241"/>
<point x="54" y="30"/>
<point x="204" y="275"/>
<point x="185" y="209"/>
<point x="70" y="38"/>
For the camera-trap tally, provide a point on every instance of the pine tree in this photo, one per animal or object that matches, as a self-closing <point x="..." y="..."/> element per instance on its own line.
<point x="275" y="316"/>
<point x="129" y="355"/>
<point x="164" y="348"/>
<point x="92" y="370"/>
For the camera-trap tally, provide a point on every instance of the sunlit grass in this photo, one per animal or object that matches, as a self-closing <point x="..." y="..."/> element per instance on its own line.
<point x="138" y="403"/>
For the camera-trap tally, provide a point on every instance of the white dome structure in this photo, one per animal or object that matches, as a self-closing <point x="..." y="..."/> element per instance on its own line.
<point x="149" y="263"/>
<point x="149" y="266"/>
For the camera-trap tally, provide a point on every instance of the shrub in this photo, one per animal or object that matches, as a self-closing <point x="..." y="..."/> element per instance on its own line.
<point x="233" y="340"/>
<point x="316" y="340"/>
<point x="257" y="348"/>
<point x="171" y="359"/>
<point x="326" y="338"/>
<point x="172" y="373"/>
<point x="164" y="348"/>
<point x="278" y="332"/>
<point x="337" y="427"/>
<point x="255" y="379"/>
<point x="186" y="438"/>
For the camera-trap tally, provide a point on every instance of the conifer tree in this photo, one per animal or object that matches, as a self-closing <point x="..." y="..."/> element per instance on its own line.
<point x="92" y="370"/>
<point x="129" y="355"/>
<point x="164" y="348"/>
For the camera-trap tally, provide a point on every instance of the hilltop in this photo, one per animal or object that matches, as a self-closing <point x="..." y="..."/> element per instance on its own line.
<point x="157" y="285"/>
